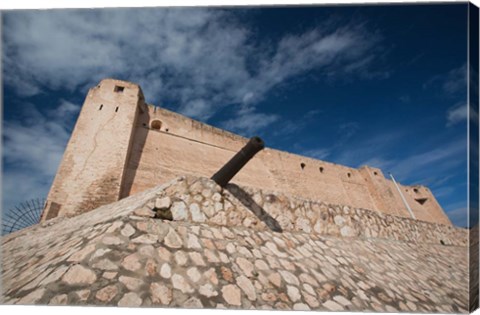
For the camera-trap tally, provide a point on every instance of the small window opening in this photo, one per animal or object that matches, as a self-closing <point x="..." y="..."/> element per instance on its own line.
<point x="144" y="125"/>
<point x="302" y="165"/>
<point x="415" y="190"/>
<point x="156" y="124"/>
<point x="166" y="130"/>
<point x="118" y="89"/>
<point x="421" y="200"/>
<point x="100" y="108"/>
<point x="321" y="169"/>
<point x="375" y="173"/>
<point x="116" y="109"/>
<point x="349" y="175"/>
<point x="442" y="242"/>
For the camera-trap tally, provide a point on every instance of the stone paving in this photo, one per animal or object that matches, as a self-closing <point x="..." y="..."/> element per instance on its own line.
<point x="155" y="249"/>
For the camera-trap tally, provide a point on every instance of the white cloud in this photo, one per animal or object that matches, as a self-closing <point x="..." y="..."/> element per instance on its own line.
<point x="20" y="185"/>
<point x="197" y="108"/>
<point x="381" y="163"/>
<point x="320" y="154"/>
<point x="292" y="126"/>
<point x="197" y="59"/>
<point x="33" y="148"/>
<point x="444" y="191"/>
<point x="456" y="114"/>
<point x="35" y="139"/>
<point x="383" y="152"/>
<point x="346" y="131"/>
<point x="445" y="158"/>
<point x="248" y="121"/>
<point x="359" y="152"/>
<point x="456" y="80"/>
<point x="66" y="109"/>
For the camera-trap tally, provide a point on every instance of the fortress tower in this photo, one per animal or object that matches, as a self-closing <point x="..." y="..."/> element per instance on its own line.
<point x="93" y="165"/>
<point x="121" y="146"/>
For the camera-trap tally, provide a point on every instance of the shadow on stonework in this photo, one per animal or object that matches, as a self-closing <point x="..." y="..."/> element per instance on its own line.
<point x="251" y="205"/>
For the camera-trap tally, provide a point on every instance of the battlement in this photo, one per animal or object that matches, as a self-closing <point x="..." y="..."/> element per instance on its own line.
<point x="121" y="146"/>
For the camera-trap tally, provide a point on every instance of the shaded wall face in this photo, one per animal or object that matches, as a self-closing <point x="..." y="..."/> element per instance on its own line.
<point x="166" y="145"/>
<point x="91" y="171"/>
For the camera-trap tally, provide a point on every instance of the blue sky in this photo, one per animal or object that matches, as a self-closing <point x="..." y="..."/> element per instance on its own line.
<point x="383" y="86"/>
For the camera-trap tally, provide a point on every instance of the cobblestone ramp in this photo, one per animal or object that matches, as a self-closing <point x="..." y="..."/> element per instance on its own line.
<point x="130" y="254"/>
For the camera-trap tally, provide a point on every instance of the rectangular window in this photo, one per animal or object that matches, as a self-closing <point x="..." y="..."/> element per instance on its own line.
<point x="118" y="89"/>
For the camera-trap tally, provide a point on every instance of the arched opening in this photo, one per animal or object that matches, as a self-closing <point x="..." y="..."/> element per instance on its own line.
<point x="349" y="175"/>
<point x="321" y="169"/>
<point x="156" y="124"/>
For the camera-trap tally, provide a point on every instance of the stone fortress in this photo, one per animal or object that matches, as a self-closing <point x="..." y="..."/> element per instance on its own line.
<point x="121" y="145"/>
<point x="132" y="219"/>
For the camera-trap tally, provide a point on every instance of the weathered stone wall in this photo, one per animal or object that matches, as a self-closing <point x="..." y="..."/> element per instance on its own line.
<point x="183" y="146"/>
<point x="123" y="254"/>
<point x="113" y="155"/>
<point x="91" y="171"/>
<point x="202" y="201"/>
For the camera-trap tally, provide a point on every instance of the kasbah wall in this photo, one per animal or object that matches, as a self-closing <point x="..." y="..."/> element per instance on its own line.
<point x="121" y="145"/>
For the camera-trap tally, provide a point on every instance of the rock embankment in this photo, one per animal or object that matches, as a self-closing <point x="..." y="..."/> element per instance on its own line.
<point x="191" y="244"/>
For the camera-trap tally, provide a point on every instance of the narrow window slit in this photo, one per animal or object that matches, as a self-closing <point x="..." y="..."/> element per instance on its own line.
<point x="118" y="89"/>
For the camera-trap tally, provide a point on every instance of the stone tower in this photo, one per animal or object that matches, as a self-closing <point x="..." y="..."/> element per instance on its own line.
<point x="91" y="171"/>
